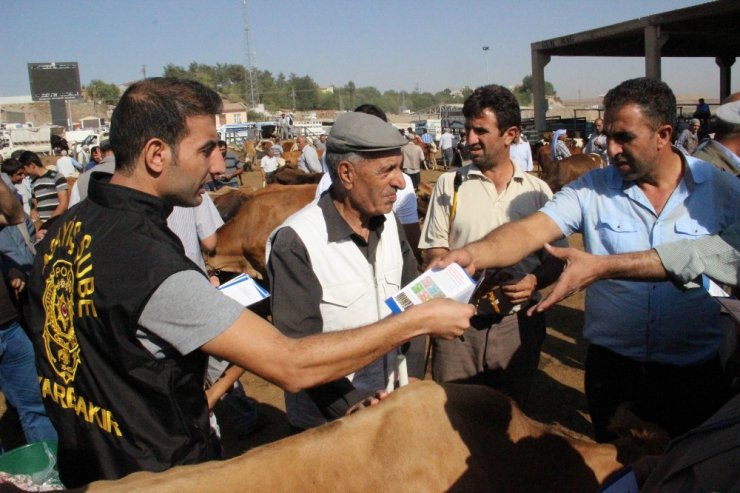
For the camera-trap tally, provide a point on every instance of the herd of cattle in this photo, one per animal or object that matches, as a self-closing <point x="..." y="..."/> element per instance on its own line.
<point x="250" y="216"/>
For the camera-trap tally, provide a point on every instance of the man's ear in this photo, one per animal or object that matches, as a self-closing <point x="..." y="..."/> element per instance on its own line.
<point x="664" y="134"/>
<point x="510" y="134"/>
<point x="157" y="155"/>
<point x="346" y="173"/>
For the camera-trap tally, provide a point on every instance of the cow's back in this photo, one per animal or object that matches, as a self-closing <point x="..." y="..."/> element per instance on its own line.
<point x="425" y="437"/>
<point x="244" y="237"/>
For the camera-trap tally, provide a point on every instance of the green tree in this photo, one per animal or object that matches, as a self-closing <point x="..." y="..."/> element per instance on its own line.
<point x="328" y="101"/>
<point x="349" y="91"/>
<point x="175" y="71"/>
<point x="419" y="100"/>
<point x="304" y="92"/>
<point x="98" y="90"/>
<point x="523" y="92"/>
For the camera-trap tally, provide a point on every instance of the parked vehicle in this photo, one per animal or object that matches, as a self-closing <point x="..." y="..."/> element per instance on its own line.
<point x="81" y="141"/>
<point x="432" y="126"/>
<point x="36" y="139"/>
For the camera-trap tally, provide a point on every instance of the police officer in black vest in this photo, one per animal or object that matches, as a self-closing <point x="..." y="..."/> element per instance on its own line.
<point x="122" y="321"/>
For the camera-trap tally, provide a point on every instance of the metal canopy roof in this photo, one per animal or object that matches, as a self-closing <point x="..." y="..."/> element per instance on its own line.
<point x="706" y="30"/>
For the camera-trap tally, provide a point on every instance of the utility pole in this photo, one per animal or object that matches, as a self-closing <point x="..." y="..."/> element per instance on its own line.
<point x="488" y="74"/>
<point x="292" y="93"/>
<point x="143" y="71"/>
<point x="249" y="58"/>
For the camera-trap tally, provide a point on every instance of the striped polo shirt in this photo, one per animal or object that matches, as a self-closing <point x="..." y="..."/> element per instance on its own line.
<point x="45" y="190"/>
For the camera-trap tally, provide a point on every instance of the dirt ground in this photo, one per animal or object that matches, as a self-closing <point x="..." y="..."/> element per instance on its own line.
<point x="556" y="398"/>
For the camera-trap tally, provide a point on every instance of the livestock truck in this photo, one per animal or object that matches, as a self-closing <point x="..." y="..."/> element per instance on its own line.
<point x="36" y="139"/>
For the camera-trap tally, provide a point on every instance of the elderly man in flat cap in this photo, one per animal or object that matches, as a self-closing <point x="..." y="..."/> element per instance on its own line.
<point x="332" y="264"/>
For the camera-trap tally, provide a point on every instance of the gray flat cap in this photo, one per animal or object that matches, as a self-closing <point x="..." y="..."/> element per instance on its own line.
<point x="729" y="112"/>
<point x="360" y="132"/>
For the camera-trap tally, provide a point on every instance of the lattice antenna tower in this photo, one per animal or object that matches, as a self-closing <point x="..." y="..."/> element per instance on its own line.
<point x="249" y="56"/>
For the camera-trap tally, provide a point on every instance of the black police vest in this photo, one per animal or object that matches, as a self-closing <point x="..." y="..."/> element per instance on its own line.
<point x="116" y="407"/>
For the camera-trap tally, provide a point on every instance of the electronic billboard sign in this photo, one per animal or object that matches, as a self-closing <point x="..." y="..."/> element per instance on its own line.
<point x="54" y="81"/>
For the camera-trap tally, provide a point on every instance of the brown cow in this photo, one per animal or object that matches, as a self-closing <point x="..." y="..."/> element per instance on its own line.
<point x="565" y="171"/>
<point x="228" y="201"/>
<point x="542" y="159"/>
<point x="423" y="195"/>
<point x="423" y="437"/>
<point x="294" y="176"/>
<point x="241" y="241"/>
<point x="291" y="158"/>
<point x="248" y="154"/>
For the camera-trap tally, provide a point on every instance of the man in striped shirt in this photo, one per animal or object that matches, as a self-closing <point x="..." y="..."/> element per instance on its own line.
<point x="49" y="188"/>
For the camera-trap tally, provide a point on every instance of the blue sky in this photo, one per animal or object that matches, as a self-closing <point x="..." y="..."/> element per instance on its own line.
<point x="390" y="45"/>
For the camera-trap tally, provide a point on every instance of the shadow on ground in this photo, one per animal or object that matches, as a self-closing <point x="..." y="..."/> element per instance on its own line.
<point x="274" y="426"/>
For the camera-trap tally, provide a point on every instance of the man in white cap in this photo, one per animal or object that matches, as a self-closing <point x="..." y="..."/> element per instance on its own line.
<point x="332" y="264"/>
<point x="558" y="149"/>
<point x="724" y="150"/>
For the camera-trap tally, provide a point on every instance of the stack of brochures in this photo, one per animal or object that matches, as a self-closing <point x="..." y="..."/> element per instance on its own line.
<point x="451" y="282"/>
<point x="244" y="290"/>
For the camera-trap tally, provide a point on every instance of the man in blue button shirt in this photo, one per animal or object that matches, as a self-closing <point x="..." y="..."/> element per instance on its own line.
<point x="652" y="344"/>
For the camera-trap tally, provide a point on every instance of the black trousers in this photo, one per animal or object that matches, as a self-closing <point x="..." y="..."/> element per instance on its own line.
<point x="676" y="398"/>
<point x="415" y="179"/>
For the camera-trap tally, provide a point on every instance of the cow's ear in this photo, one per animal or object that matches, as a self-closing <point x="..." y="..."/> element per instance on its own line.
<point x="156" y="155"/>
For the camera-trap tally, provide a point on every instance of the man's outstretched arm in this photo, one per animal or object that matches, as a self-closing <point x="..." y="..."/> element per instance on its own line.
<point x="505" y="245"/>
<point x="717" y="256"/>
<point x="296" y="364"/>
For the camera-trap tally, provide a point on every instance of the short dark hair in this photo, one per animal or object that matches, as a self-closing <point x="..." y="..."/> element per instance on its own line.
<point x="94" y="148"/>
<point x="157" y="107"/>
<point x="498" y="99"/>
<point x="105" y="146"/>
<point x="10" y="166"/>
<point x="654" y="97"/>
<point x="221" y="143"/>
<point x="372" y="109"/>
<point x="28" y="158"/>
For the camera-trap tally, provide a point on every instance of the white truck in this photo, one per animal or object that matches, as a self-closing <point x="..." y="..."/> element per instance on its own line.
<point x="80" y="142"/>
<point x="432" y="126"/>
<point x="36" y="139"/>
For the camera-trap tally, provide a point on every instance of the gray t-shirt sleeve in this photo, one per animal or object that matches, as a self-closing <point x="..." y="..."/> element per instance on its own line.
<point x="184" y="313"/>
<point x="716" y="256"/>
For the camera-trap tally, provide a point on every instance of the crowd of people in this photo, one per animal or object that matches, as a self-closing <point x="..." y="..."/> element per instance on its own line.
<point x="106" y="282"/>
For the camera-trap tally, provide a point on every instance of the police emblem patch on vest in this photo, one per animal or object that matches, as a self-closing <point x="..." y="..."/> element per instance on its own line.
<point x="60" y="341"/>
